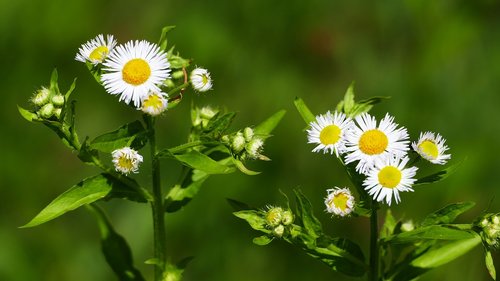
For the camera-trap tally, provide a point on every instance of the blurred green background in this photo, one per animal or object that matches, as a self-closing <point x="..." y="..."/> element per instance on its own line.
<point x="438" y="60"/>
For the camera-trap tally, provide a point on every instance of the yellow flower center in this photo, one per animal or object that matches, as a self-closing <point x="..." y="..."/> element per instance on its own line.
<point x="389" y="177"/>
<point x="153" y="101"/>
<point x="136" y="71"/>
<point x="204" y="79"/>
<point x="99" y="53"/>
<point x="340" y="201"/>
<point x="329" y="135"/>
<point x="373" y="142"/>
<point x="429" y="148"/>
<point x="125" y="163"/>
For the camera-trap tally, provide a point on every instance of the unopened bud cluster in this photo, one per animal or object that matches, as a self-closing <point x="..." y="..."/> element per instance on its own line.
<point x="278" y="219"/>
<point x="48" y="104"/>
<point x="489" y="226"/>
<point x="245" y="144"/>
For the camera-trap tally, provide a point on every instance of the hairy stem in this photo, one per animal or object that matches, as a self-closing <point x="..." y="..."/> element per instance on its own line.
<point x="374" y="250"/>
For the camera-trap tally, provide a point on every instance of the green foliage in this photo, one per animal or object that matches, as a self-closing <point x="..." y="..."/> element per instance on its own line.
<point x="132" y="135"/>
<point x="488" y="258"/>
<point x="352" y="108"/>
<point x="447" y="214"/>
<point x="440" y="175"/>
<point x="304" y="111"/>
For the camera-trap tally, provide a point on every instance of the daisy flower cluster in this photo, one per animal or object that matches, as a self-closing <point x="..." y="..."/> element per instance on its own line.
<point x="378" y="151"/>
<point x="136" y="72"/>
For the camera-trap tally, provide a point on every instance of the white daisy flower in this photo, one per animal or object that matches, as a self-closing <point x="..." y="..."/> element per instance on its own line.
<point x="431" y="147"/>
<point x="134" y="69"/>
<point x="126" y="160"/>
<point x="368" y="142"/>
<point x="155" y="103"/>
<point x="329" y="131"/>
<point x="389" y="176"/>
<point x="200" y="79"/>
<point x="96" y="50"/>
<point x="339" y="201"/>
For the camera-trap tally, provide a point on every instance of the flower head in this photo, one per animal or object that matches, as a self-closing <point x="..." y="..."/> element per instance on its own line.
<point x="489" y="229"/>
<point x="328" y="131"/>
<point x="339" y="201"/>
<point x="368" y="142"/>
<point x="200" y="79"/>
<point x="41" y="97"/>
<point x="96" y="50"/>
<point x="254" y="147"/>
<point x="155" y="103"/>
<point x="431" y="147"/>
<point x="389" y="176"/>
<point x="135" y="69"/>
<point x="126" y="160"/>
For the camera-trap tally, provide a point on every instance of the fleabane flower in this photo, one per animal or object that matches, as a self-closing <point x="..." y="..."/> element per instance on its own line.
<point x="155" y="103"/>
<point x="368" y="142"/>
<point x="126" y="160"/>
<point x="388" y="177"/>
<point x="96" y="50"/>
<point x="432" y="148"/>
<point x="339" y="201"/>
<point x="135" y="69"/>
<point x="328" y="131"/>
<point x="200" y="79"/>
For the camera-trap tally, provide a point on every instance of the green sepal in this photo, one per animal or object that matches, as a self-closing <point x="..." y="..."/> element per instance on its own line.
<point x="115" y="249"/>
<point x="433" y="232"/>
<point x="305" y="214"/>
<point x="304" y="111"/>
<point x="447" y="214"/>
<point x="163" y="37"/>
<point x="263" y="240"/>
<point x="132" y="134"/>
<point x="488" y="258"/>
<point x="87" y="191"/>
<point x="439" y="176"/>
<point x="26" y="114"/>
<point x="268" y="125"/>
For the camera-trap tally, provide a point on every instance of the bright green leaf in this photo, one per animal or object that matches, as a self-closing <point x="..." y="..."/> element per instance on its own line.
<point x="179" y="196"/>
<point x="447" y="214"/>
<point x="389" y="225"/>
<point x="490" y="265"/>
<point x="26" y="114"/>
<point x="262" y="240"/>
<point x="132" y="134"/>
<point x="244" y="169"/>
<point x="439" y="176"/>
<point x="70" y="90"/>
<point x="266" y="127"/>
<point x="304" y="111"/>
<point x="305" y="214"/>
<point x="163" y="37"/>
<point x="348" y="102"/>
<point x="54" y="87"/>
<point x="438" y="232"/>
<point x="254" y="219"/>
<point x="202" y="162"/>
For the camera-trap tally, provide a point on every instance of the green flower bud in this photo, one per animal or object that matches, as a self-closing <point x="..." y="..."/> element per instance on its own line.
<point x="279" y="230"/>
<point x="47" y="110"/>
<point x="248" y="134"/>
<point x="238" y="143"/>
<point x="225" y="139"/>
<point x="41" y="97"/>
<point x="57" y="112"/>
<point x="254" y="147"/>
<point x="287" y="217"/>
<point x="407" y="226"/>
<point x="274" y="216"/>
<point x="178" y="74"/>
<point x="58" y="100"/>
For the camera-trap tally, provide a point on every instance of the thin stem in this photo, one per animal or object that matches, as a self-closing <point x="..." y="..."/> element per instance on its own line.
<point x="157" y="206"/>
<point x="374" y="250"/>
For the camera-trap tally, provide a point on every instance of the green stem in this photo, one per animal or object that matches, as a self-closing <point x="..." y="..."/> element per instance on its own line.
<point x="374" y="250"/>
<point x="157" y="206"/>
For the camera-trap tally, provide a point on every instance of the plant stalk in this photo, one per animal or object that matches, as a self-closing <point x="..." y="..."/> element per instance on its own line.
<point x="374" y="249"/>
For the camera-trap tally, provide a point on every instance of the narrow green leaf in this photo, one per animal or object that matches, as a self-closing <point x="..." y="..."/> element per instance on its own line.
<point x="349" y="103"/>
<point x="202" y="162"/>
<point x="244" y="169"/>
<point x="115" y="249"/>
<point x="490" y="265"/>
<point x="447" y="214"/>
<point x="268" y="125"/>
<point x="26" y="114"/>
<point x="305" y="213"/>
<point x="439" y="176"/>
<point x="304" y="111"/>
<point x="441" y="255"/>
<point x="124" y="136"/>
<point x="163" y="37"/>
<point x="262" y="240"/>
<point x="436" y="232"/>
<point x="254" y="219"/>
<point x="70" y="90"/>
<point x="54" y="87"/>
<point x="389" y="225"/>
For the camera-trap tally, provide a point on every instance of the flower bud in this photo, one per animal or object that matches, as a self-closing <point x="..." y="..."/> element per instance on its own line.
<point x="47" y="110"/>
<point x="279" y="230"/>
<point x="58" y="100"/>
<point x="287" y="217"/>
<point x="254" y="147"/>
<point x="407" y="226"/>
<point x="41" y="97"/>
<point x="238" y="143"/>
<point x="225" y="139"/>
<point x="274" y="216"/>
<point x="248" y="134"/>
<point x="57" y="112"/>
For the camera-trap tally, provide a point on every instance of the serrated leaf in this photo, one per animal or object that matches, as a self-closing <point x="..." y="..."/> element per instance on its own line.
<point x="268" y="125"/>
<point x="87" y="191"/>
<point x="447" y="214"/>
<point x="440" y="255"/>
<point x="115" y="249"/>
<point x="202" y="162"/>
<point x="488" y="258"/>
<point x="244" y="169"/>
<point x="305" y="214"/>
<point x="262" y="240"/>
<point x="132" y="134"/>
<point x="436" y="232"/>
<point x="439" y="176"/>
<point x="304" y="111"/>
<point x="254" y="219"/>
<point x="26" y="114"/>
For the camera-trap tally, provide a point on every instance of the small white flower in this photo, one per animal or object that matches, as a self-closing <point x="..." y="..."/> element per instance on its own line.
<point x="96" y="50"/>
<point x="339" y="201"/>
<point x="200" y="79"/>
<point x="126" y="160"/>
<point x="389" y="176"/>
<point x="155" y="103"/>
<point x="135" y="69"/>
<point x="329" y="132"/>
<point x="368" y="142"/>
<point x="431" y="147"/>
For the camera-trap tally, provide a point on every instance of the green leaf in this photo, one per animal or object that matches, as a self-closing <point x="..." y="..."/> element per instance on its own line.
<point x="237" y="205"/>
<point x="132" y="134"/>
<point x="349" y="103"/>
<point x="434" y="232"/>
<point x="115" y="249"/>
<point x="244" y="169"/>
<point x="262" y="240"/>
<point x="219" y="124"/>
<point x="26" y="114"/>
<point x="447" y="214"/>
<point x="254" y="219"/>
<point x="87" y="191"/>
<point x="304" y="111"/>
<point x="163" y="37"/>
<point x="202" y="162"/>
<point x="443" y="254"/>
<point x="179" y="196"/>
<point x="439" y="176"/>
<point x="365" y="105"/>
<point x="490" y="265"/>
<point x="54" y="87"/>
<point x="305" y="214"/>
<point x="389" y="225"/>
<point x="87" y="154"/>
<point x="266" y="127"/>
<point x="70" y="90"/>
